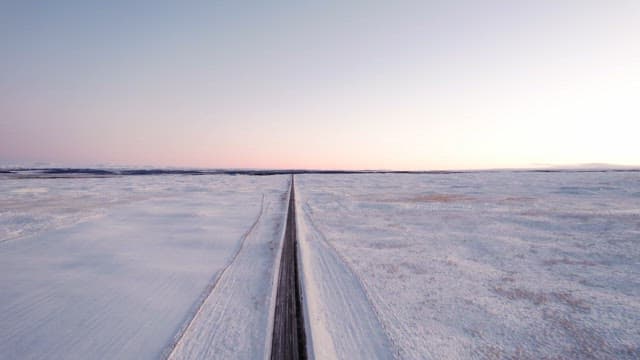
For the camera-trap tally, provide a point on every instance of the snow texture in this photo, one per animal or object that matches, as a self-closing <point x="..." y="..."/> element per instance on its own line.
<point x="479" y="265"/>
<point x="340" y="321"/>
<point x="236" y="319"/>
<point x="116" y="268"/>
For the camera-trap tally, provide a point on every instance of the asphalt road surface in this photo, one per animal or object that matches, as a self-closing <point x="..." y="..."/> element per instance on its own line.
<point x="288" y="325"/>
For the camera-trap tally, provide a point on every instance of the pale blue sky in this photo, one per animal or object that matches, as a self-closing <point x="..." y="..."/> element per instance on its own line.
<point x="323" y="84"/>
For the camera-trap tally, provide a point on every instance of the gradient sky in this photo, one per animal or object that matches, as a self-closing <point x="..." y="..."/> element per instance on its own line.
<point x="320" y="84"/>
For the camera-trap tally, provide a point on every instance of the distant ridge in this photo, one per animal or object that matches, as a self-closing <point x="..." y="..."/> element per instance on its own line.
<point x="103" y="172"/>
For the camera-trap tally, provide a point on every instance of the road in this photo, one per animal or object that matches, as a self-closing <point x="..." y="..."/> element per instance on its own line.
<point x="288" y="325"/>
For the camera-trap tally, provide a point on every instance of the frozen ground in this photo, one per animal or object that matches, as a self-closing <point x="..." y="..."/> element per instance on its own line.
<point x="116" y="267"/>
<point x="473" y="265"/>
<point x="236" y="319"/>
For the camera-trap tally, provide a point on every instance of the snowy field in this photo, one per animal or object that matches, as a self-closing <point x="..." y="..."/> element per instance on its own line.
<point x="485" y="265"/>
<point x="117" y="267"/>
<point x="473" y="265"/>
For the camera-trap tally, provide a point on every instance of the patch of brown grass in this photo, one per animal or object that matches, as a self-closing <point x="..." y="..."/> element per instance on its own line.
<point x="443" y="198"/>
<point x="540" y="297"/>
<point x="433" y="198"/>
<point x="519" y="199"/>
<point x="567" y="261"/>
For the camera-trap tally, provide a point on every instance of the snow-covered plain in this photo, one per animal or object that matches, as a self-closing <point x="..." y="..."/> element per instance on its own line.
<point x="117" y="267"/>
<point x="524" y="265"/>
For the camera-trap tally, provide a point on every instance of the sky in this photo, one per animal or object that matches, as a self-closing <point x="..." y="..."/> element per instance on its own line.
<point x="401" y="85"/>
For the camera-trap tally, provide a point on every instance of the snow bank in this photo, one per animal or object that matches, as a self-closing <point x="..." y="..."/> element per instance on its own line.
<point x="340" y="320"/>
<point x="236" y="319"/>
